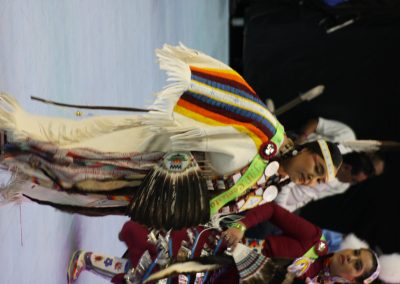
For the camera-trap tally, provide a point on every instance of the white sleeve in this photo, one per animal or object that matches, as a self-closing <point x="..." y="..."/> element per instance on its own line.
<point x="20" y="124"/>
<point x="331" y="188"/>
<point x="334" y="131"/>
<point x="292" y="196"/>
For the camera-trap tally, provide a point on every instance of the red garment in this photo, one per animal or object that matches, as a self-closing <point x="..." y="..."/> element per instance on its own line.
<point x="135" y="237"/>
<point x="298" y="237"/>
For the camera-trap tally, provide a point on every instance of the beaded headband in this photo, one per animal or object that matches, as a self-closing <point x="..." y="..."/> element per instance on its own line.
<point x="328" y="159"/>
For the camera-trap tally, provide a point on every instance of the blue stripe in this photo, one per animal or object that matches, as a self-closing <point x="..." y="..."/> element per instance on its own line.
<point x="242" y="112"/>
<point x="169" y="280"/>
<point x="228" y="88"/>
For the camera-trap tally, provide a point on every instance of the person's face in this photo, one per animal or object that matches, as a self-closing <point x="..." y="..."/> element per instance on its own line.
<point x="350" y="264"/>
<point x="345" y="175"/>
<point x="306" y="168"/>
<point x="379" y="167"/>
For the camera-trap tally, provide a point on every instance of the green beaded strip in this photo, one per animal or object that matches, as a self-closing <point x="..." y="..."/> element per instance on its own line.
<point x="239" y="226"/>
<point x="250" y="177"/>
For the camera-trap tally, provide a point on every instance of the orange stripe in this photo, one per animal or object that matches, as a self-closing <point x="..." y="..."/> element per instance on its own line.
<point x="222" y="119"/>
<point x="206" y="120"/>
<point x="232" y="75"/>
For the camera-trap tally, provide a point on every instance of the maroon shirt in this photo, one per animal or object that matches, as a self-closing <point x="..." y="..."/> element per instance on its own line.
<point x="298" y="236"/>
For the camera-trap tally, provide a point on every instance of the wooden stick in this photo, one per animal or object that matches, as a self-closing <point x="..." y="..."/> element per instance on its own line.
<point x="307" y="96"/>
<point x="90" y="107"/>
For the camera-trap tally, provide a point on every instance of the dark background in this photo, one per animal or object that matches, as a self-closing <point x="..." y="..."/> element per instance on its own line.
<point x="282" y="49"/>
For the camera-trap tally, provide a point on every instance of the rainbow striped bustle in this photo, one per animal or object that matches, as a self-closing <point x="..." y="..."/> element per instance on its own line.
<point x="223" y="98"/>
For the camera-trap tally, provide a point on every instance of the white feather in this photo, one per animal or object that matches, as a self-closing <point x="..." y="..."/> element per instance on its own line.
<point x="313" y="93"/>
<point x="363" y="145"/>
<point x="351" y="241"/>
<point x="390" y="268"/>
<point x="181" y="268"/>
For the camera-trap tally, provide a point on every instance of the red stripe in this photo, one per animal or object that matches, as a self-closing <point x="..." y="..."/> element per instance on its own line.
<point x="221" y="118"/>
<point x="187" y="97"/>
<point x="246" y="88"/>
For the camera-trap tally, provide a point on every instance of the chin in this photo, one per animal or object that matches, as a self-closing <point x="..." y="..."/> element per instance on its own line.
<point x="298" y="180"/>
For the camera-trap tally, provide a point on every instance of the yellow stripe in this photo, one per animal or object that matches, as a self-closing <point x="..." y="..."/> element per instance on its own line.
<point x="198" y="117"/>
<point x="216" y="70"/>
<point x="273" y="123"/>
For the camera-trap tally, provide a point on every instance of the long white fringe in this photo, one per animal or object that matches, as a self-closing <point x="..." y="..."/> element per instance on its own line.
<point x="175" y="60"/>
<point x="10" y="187"/>
<point x="172" y="60"/>
<point x="21" y="125"/>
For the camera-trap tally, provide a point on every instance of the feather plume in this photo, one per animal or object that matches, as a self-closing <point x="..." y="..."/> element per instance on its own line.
<point x="372" y="145"/>
<point x="201" y="264"/>
<point x="313" y="93"/>
<point x="390" y="265"/>
<point x="170" y="198"/>
<point x="351" y="241"/>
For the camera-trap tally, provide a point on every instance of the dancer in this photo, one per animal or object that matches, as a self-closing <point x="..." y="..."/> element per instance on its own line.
<point x="206" y="132"/>
<point x="299" y="253"/>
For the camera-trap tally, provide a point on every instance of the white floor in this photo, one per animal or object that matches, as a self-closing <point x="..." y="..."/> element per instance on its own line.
<point x="86" y="52"/>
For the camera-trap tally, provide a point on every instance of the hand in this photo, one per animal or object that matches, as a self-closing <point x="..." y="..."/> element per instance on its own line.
<point x="232" y="236"/>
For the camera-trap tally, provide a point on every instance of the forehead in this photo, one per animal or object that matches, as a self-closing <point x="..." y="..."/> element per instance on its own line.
<point x="307" y="154"/>
<point x="318" y="159"/>
<point x="310" y="159"/>
<point x="319" y="162"/>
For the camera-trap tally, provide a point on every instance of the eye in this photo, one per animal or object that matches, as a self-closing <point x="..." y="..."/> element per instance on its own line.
<point x="358" y="265"/>
<point x="357" y="252"/>
<point x="319" y="169"/>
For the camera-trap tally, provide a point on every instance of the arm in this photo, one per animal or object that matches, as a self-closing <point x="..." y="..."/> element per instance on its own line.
<point x="293" y="196"/>
<point x="334" y="187"/>
<point x="328" y="129"/>
<point x="334" y="131"/>
<point x="292" y="225"/>
<point x="308" y="128"/>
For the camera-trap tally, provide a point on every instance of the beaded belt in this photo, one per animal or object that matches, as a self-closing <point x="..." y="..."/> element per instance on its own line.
<point x="261" y="192"/>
